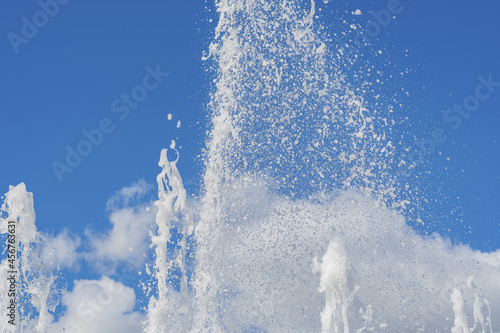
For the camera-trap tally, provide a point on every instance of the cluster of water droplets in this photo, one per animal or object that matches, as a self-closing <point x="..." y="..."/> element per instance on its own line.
<point x="296" y="229"/>
<point x="31" y="266"/>
<point x="283" y="107"/>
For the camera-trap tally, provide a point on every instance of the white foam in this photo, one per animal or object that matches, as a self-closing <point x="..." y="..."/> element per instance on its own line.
<point x="165" y="311"/>
<point x="38" y="289"/>
<point x="333" y="282"/>
<point x="286" y="116"/>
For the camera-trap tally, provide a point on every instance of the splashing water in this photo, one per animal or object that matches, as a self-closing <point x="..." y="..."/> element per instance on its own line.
<point x="284" y="109"/>
<point x="162" y="315"/>
<point x="295" y="159"/>
<point x="297" y="167"/>
<point x="333" y="283"/>
<point x="25" y="273"/>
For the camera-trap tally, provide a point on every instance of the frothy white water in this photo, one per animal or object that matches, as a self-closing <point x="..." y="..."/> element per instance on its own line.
<point x="333" y="283"/>
<point x="295" y="170"/>
<point x="288" y="129"/>
<point x="36" y="290"/>
<point x="164" y="314"/>
<point x="481" y="311"/>
<point x="376" y="274"/>
<point x="284" y="114"/>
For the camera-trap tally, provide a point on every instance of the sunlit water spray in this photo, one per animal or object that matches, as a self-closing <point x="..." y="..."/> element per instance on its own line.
<point x="300" y="226"/>
<point x="298" y="166"/>
<point x="167" y="312"/>
<point x="26" y="278"/>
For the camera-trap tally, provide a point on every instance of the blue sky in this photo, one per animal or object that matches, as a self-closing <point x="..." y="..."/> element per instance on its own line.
<point x="63" y="82"/>
<point x="65" y="78"/>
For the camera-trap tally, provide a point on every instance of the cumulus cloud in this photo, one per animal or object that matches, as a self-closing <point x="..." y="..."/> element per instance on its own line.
<point x="128" y="239"/>
<point x="131" y="216"/>
<point x="65" y="246"/>
<point x="276" y="255"/>
<point x="128" y="195"/>
<point x="99" y="306"/>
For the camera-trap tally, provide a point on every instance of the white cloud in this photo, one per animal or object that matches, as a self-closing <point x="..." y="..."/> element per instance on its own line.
<point x="128" y="195"/>
<point x="65" y="246"/>
<point x="124" y="243"/>
<point x="99" y="306"/>
<point x="128" y="238"/>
